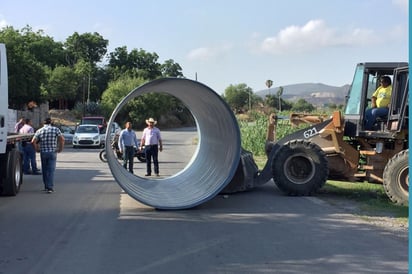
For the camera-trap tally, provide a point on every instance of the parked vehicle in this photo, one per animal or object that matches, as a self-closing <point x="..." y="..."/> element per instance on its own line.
<point x="88" y="135"/>
<point x="11" y="163"/>
<point x="68" y="133"/>
<point x="95" y="120"/>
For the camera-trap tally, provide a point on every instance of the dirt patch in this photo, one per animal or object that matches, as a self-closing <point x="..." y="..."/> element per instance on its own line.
<point x="381" y="219"/>
<point x="63" y="117"/>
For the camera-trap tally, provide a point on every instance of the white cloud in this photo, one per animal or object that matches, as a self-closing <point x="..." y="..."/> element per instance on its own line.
<point x="314" y="35"/>
<point x="207" y="53"/>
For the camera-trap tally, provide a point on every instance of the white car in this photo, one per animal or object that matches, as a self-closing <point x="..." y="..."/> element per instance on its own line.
<point x="87" y="136"/>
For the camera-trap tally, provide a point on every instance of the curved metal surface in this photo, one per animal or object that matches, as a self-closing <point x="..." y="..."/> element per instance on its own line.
<point x="214" y="162"/>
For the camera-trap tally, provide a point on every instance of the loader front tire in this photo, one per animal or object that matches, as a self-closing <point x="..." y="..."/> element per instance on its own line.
<point x="300" y="168"/>
<point x="396" y="178"/>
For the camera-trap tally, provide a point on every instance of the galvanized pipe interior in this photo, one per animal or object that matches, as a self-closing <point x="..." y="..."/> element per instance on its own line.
<point x="214" y="162"/>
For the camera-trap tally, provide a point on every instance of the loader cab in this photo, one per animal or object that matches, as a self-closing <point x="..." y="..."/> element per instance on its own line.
<point x="365" y="82"/>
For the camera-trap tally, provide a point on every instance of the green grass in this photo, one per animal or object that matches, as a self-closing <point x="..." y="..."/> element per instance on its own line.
<point x="371" y="197"/>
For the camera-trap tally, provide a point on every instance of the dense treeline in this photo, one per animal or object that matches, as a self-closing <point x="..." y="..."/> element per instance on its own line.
<point x="80" y="74"/>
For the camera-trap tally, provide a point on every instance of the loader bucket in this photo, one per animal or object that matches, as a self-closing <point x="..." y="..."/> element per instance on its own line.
<point x="245" y="176"/>
<point x="214" y="162"/>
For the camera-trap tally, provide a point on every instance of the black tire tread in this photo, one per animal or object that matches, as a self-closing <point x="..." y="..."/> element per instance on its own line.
<point x="390" y="184"/>
<point x="310" y="150"/>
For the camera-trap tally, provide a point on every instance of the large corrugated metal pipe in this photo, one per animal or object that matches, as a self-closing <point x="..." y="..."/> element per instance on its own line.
<point x="214" y="162"/>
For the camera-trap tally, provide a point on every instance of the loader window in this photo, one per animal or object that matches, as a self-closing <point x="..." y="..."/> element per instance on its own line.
<point x="373" y="84"/>
<point x="355" y="92"/>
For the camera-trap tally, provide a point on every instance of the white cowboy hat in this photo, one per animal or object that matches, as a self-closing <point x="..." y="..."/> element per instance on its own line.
<point x="151" y="120"/>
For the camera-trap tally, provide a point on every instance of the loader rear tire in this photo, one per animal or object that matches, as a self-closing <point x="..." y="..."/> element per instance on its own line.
<point x="300" y="168"/>
<point x="396" y="178"/>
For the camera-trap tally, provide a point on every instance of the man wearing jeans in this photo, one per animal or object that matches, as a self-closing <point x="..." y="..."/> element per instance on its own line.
<point x="29" y="154"/>
<point x="152" y="144"/>
<point x="48" y="140"/>
<point x="127" y="144"/>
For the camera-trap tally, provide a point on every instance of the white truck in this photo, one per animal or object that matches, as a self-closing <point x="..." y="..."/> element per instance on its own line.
<point x="11" y="163"/>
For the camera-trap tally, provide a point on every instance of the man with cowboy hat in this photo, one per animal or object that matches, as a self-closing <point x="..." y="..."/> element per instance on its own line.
<point x="152" y="141"/>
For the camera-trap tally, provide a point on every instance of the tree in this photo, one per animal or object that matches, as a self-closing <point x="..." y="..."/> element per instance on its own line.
<point x="270" y="100"/>
<point x="269" y="83"/>
<point x="62" y="84"/>
<point x="147" y="105"/>
<point x="238" y="97"/>
<point x="148" y="67"/>
<point x="138" y="63"/>
<point x="26" y="73"/>
<point x="171" y="69"/>
<point x="88" y="48"/>
<point x="303" y="105"/>
<point x="116" y="91"/>
<point x="44" y="48"/>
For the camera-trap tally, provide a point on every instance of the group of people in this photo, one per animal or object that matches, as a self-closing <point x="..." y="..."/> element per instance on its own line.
<point x="151" y="140"/>
<point x="47" y="140"/>
<point x="24" y="126"/>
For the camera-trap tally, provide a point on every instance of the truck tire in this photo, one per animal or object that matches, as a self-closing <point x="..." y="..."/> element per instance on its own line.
<point x="14" y="174"/>
<point x="396" y="178"/>
<point x="300" y="168"/>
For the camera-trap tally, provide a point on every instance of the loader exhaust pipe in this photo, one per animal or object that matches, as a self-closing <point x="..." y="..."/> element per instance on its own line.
<point x="214" y="162"/>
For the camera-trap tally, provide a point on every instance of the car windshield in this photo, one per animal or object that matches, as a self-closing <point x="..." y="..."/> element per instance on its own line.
<point x="87" y="129"/>
<point x="92" y="121"/>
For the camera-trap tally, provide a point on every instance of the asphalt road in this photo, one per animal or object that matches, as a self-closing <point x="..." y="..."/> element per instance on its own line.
<point x="89" y="225"/>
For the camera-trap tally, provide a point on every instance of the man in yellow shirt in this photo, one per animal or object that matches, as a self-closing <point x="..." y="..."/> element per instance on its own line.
<point x="380" y="101"/>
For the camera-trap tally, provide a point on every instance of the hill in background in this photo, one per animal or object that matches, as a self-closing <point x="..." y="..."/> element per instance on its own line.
<point x="315" y="93"/>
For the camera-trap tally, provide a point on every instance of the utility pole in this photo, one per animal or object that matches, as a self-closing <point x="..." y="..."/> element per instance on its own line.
<point x="250" y="104"/>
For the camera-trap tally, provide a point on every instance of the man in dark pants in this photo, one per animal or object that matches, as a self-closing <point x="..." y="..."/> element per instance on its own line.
<point x="29" y="152"/>
<point x="153" y="143"/>
<point x="127" y="144"/>
<point x="49" y="141"/>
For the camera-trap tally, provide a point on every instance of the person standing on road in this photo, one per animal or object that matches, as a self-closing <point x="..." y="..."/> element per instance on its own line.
<point x="152" y="141"/>
<point x="49" y="141"/>
<point x="29" y="153"/>
<point x="127" y="144"/>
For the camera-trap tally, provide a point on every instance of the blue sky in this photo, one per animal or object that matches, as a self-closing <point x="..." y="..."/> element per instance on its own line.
<point x="227" y="42"/>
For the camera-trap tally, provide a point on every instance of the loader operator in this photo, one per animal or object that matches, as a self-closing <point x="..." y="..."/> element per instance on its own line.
<point x="380" y="101"/>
